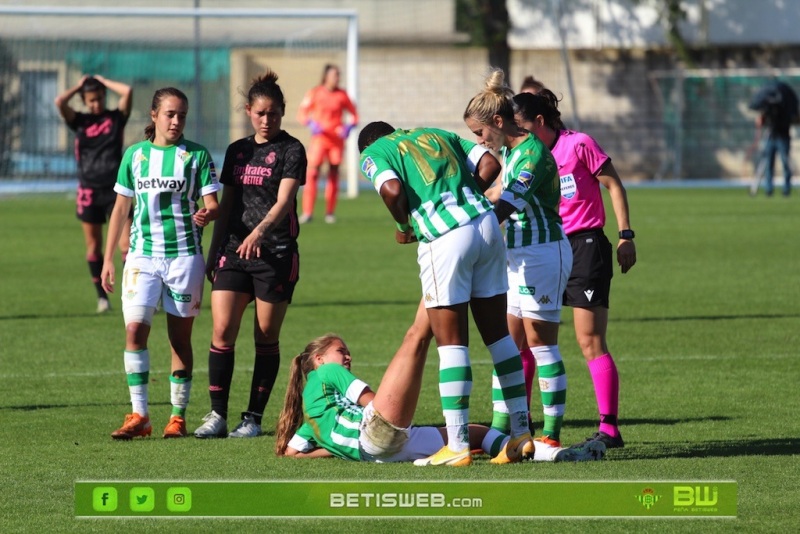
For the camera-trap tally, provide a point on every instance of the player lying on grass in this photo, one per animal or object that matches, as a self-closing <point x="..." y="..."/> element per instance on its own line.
<point x="346" y="419"/>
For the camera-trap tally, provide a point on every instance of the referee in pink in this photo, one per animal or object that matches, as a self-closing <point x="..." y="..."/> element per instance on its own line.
<point x="582" y="167"/>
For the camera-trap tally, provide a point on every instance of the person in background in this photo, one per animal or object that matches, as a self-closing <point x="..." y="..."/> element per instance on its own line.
<point x="166" y="174"/>
<point x="777" y="106"/>
<point x="253" y="255"/>
<point x="583" y="167"/>
<point x="98" y="150"/>
<point x="321" y="110"/>
<point x="531" y="85"/>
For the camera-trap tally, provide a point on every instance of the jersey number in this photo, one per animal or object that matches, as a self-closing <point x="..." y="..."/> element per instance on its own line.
<point x="130" y="277"/>
<point x="424" y="152"/>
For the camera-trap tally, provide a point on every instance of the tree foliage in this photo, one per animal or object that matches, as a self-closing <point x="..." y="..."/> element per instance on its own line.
<point x="487" y="24"/>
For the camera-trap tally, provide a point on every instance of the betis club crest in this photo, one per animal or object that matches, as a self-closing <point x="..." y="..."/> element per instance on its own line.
<point x="648" y="498"/>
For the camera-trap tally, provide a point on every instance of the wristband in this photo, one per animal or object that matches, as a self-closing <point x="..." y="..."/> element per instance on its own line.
<point x="403" y="227"/>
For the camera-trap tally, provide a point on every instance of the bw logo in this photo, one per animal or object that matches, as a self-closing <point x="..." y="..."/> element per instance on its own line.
<point x="695" y="496"/>
<point x="545" y="300"/>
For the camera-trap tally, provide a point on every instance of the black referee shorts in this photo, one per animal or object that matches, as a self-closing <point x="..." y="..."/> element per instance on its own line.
<point x="589" y="282"/>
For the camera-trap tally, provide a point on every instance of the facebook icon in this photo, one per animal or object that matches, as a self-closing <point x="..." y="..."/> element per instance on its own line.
<point x="104" y="499"/>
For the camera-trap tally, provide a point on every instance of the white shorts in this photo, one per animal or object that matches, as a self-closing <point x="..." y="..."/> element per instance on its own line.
<point x="178" y="282"/>
<point x="466" y="262"/>
<point x="423" y="441"/>
<point x="537" y="277"/>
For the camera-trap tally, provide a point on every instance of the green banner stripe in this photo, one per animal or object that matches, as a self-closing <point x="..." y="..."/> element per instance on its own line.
<point x="422" y="498"/>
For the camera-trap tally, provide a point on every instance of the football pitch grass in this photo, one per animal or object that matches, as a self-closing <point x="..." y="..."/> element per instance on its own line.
<point x="704" y="330"/>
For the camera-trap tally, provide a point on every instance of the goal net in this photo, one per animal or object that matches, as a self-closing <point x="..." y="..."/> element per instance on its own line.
<point x="210" y="54"/>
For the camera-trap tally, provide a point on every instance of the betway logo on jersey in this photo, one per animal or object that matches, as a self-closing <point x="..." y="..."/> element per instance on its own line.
<point x="160" y="185"/>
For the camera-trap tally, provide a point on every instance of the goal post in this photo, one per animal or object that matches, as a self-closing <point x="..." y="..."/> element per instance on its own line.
<point x="45" y="49"/>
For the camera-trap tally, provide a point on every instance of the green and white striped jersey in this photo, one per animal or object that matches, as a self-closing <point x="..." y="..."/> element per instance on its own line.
<point x="331" y="410"/>
<point x="166" y="183"/>
<point x="436" y="169"/>
<point x="531" y="184"/>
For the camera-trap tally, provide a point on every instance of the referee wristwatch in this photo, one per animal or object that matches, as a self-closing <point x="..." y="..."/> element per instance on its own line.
<point x="627" y="234"/>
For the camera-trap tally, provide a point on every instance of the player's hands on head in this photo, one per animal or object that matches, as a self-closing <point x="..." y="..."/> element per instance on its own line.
<point x="626" y="255"/>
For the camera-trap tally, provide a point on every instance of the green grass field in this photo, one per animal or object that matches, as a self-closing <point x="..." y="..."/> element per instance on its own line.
<point x="704" y="331"/>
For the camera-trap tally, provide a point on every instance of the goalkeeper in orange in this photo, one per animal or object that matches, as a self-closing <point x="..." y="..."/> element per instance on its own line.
<point x="321" y="110"/>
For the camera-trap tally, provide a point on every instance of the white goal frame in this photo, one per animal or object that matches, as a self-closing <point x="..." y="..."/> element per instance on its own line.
<point x="351" y="62"/>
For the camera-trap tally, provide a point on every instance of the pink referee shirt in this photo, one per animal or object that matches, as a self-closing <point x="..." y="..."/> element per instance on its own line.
<point x="579" y="158"/>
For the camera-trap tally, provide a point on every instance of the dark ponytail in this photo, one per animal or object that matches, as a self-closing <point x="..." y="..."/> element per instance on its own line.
<point x="266" y="86"/>
<point x="543" y="103"/>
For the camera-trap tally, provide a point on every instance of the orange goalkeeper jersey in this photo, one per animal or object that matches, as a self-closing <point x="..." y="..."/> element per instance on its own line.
<point x="325" y="108"/>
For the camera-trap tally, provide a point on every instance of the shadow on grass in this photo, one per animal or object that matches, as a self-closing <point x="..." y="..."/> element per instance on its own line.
<point x="59" y="316"/>
<point x="592" y="423"/>
<point x="316" y="304"/>
<point x="345" y="303"/>
<point x="34" y="407"/>
<point x="708" y="317"/>
<point x="706" y="449"/>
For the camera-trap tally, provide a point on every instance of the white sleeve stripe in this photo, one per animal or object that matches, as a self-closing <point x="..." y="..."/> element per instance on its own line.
<point x="300" y="443"/>
<point x="355" y="390"/>
<point x="475" y="156"/>
<point x="384" y="177"/>
<point x="207" y="190"/>
<point x="124" y="191"/>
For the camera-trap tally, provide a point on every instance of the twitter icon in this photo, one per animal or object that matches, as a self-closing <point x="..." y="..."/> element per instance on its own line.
<point x="142" y="499"/>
